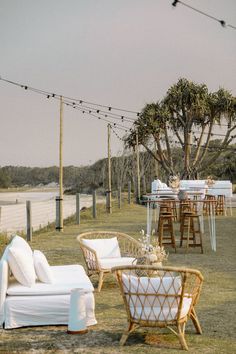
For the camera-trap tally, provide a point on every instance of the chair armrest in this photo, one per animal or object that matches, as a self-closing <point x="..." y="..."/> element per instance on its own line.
<point x="131" y="247"/>
<point x="90" y="257"/>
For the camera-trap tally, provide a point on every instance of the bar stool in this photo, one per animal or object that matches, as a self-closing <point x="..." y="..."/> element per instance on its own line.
<point x="191" y="223"/>
<point x="209" y="201"/>
<point x="165" y="230"/>
<point x="174" y="209"/>
<point x="165" y="207"/>
<point x="220" y="205"/>
<point x="185" y="205"/>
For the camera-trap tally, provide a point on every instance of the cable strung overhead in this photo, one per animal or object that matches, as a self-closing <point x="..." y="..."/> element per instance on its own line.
<point x="107" y="114"/>
<point x="228" y="148"/>
<point x="107" y="111"/>
<point x="114" y="132"/>
<point x="222" y="22"/>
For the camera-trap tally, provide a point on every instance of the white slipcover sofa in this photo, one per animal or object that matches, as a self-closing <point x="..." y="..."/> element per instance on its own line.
<point x="31" y="302"/>
<point x="161" y="190"/>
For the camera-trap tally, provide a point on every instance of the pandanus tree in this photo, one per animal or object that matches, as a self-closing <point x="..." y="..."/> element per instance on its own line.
<point x="189" y="116"/>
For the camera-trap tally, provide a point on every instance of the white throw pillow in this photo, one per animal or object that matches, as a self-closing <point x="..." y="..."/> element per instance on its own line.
<point x="22" y="266"/>
<point x="42" y="268"/>
<point x="19" y="242"/>
<point x="104" y="247"/>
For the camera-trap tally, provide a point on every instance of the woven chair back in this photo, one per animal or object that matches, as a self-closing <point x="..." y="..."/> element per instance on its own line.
<point x="158" y="296"/>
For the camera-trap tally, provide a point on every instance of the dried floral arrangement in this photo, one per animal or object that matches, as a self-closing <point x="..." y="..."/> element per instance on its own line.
<point x="154" y="254"/>
<point x="174" y="182"/>
<point x="210" y="181"/>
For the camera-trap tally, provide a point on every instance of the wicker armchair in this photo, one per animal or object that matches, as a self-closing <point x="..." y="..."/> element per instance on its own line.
<point x="125" y="251"/>
<point x="159" y="297"/>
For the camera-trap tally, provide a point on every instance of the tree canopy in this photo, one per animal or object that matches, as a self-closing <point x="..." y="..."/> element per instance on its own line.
<point x="189" y="117"/>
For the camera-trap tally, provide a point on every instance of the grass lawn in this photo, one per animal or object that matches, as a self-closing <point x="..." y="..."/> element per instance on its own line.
<point x="216" y="308"/>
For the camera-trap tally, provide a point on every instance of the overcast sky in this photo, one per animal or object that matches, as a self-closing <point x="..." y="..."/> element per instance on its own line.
<point x="123" y="53"/>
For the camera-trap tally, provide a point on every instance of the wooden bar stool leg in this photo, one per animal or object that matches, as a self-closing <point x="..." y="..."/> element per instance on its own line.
<point x="173" y="236"/>
<point x="160" y="231"/>
<point x="181" y="231"/>
<point x="200" y="233"/>
<point x="188" y="234"/>
<point x="193" y="230"/>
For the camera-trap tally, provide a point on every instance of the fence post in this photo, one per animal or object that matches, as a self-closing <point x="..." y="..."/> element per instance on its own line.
<point x="119" y="197"/>
<point x="77" y="208"/>
<point x="28" y="221"/>
<point x="59" y="219"/>
<point x="129" y="192"/>
<point x="94" y="205"/>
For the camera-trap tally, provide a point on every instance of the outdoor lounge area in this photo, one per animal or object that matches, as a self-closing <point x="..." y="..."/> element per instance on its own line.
<point x="118" y="177"/>
<point x="215" y="307"/>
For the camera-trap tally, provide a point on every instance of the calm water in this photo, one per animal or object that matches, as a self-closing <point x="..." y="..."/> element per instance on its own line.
<point x="8" y="198"/>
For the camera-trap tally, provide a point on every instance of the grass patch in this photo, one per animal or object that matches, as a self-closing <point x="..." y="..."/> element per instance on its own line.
<point x="216" y="308"/>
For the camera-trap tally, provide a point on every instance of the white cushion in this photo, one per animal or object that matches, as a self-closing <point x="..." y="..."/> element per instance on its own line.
<point x="155" y="305"/>
<point x="104" y="247"/>
<point x="155" y="287"/>
<point x="65" y="278"/>
<point x="143" y="285"/>
<point x="42" y="268"/>
<point x="164" y="313"/>
<point x="19" y="242"/>
<point x="108" y="263"/>
<point x="22" y="266"/>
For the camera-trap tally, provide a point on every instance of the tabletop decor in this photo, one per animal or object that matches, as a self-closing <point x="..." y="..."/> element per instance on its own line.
<point x="174" y="182"/>
<point x="210" y="181"/>
<point x="183" y="194"/>
<point x="154" y="255"/>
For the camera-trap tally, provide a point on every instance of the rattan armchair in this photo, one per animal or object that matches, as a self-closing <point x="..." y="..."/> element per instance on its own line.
<point x="159" y="297"/>
<point x="128" y="251"/>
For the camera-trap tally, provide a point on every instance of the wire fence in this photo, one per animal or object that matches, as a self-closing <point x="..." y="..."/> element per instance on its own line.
<point x="43" y="213"/>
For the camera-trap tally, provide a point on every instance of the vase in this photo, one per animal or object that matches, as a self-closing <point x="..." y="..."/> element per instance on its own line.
<point x="182" y="195"/>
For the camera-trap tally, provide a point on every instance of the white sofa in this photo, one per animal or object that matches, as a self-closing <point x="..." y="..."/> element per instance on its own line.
<point x="159" y="189"/>
<point x="194" y="186"/>
<point x="221" y="188"/>
<point x="40" y="303"/>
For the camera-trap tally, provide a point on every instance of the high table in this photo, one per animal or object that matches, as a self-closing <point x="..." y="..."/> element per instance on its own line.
<point x="153" y="204"/>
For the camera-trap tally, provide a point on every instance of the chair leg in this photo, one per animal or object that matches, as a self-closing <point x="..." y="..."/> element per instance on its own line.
<point x="195" y="321"/>
<point x="100" y="281"/>
<point x="125" y="335"/>
<point x="181" y="329"/>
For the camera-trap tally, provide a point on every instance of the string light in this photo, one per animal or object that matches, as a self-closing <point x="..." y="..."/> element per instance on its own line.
<point x="81" y="102"/>
<point x="105" y="114"/>
<point x="222" y="22"/>
<point x="118" y="137"/>
<point x="94" y="115"/>
<point x="93" y="111"/>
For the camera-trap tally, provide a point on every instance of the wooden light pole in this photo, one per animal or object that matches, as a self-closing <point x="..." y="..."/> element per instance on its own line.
<point x="109" y="207"/>
<point x="59" y="226"/>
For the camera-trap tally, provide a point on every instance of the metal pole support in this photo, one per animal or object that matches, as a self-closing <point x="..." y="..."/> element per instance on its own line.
<point x="28" y="221"/>
<point x="59" y="219"/>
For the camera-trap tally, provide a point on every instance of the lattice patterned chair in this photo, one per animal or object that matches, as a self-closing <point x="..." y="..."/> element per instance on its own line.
<point x="103" y="250"/>
<point x="159" y="297"/>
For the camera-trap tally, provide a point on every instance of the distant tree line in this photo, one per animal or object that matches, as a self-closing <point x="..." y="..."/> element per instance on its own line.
<point x="87" y="178"/>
